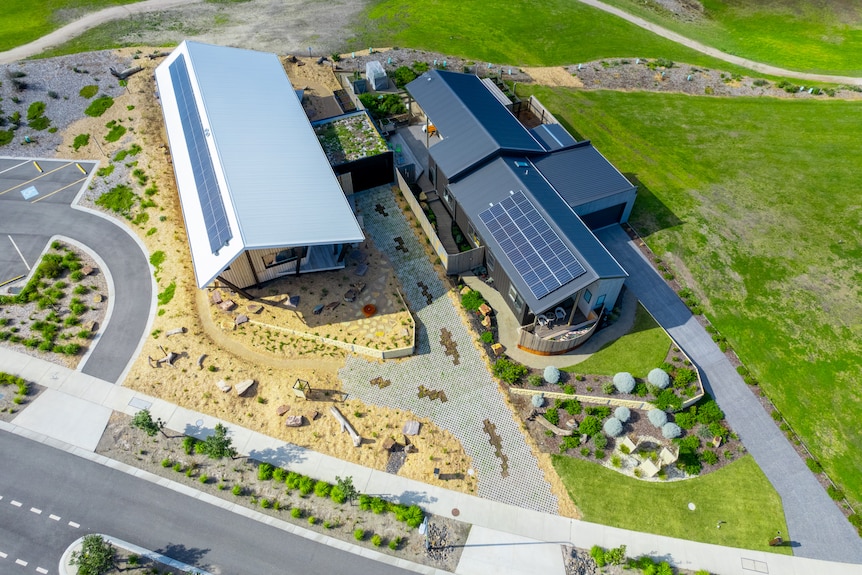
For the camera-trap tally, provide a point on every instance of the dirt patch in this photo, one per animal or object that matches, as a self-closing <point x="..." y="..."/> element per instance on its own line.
<point x="554" y="77"/>
<point x="222" y="477"/>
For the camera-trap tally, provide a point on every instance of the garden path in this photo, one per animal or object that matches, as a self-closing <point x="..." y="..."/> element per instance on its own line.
<point x="509" y="473"/>
<point x="817" y="527"/>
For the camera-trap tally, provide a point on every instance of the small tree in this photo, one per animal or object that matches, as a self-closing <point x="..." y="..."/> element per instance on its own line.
<point x="671" y="430"/>
<point x="657" y="417"/>
<point x="218" y="445"/>
<point x="346" y="487"/>
<point x="143" y="420"/>
<point x="613" y="427"/>
<point x="624" y="382"/>
<point x="622" y="413"/>
<point x="659" y="378"/>
<point x="95" y="557"/>
<point x="552" y="374"/>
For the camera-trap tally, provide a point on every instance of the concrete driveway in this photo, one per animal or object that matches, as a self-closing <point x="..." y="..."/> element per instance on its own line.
<point x="28" y="223"/>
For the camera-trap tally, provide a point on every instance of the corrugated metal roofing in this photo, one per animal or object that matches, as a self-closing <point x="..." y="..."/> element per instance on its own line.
<point x="581" y="174"/>
<point x="553" y="136"/>
<point x="493" y="182"/>
<point x="277" y="184"/>
<point x="473" y="121"/>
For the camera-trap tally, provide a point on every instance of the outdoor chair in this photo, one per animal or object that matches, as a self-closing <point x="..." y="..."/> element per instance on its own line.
<point x="560" y="313"/>
<point x="543" y="320"/>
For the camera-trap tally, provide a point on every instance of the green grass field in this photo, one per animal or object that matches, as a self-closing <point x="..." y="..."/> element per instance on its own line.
<point x="822" y="37"/>
<point x="759" y="198"/>
<point x="562" y="32"/>
<point x="738" y="494"/>
<point x="643" y="348"/>
<point x="22" y="21"/>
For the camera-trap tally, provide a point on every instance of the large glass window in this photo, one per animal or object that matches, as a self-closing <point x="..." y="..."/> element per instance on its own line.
<point x="516" y="299"/>
<point x="588" y="296"/>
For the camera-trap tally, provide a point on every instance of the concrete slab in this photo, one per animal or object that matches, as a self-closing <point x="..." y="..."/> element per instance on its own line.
<point x="489" y="552"/>
<point x="65" y="417"/>
<point x="86" y="387"/>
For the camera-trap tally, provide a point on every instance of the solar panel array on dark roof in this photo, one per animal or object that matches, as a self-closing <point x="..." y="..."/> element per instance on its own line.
<point x="212" y="206"/>
<point x="537" y="252"/>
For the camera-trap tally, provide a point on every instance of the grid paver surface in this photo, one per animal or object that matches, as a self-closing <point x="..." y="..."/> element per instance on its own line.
<point x="472" y="395"/>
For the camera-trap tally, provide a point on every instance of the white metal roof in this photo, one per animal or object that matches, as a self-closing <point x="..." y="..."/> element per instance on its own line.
<point x="276" y="183"/>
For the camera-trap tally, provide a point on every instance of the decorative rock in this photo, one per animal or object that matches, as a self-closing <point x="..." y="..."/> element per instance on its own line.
<point x="388" y="444"/>
<point x="485" y="309"/>
<point x="313" y="415"/>
<point x="411" y="428"/>
<point x="465" y="290"/>
<point x="293" y="421"/>
<point x="282" y="409"/>
<point x="87" y="270"/>
<point x="97" y="298"/>
<point x="216" y="297"/>
<point x="175" y="331"/>
<point x="497" y="349"/>
<point x="201" y="361"/>
<point x="254" y="308"/>
<point x="241" y="319"/>
<point x="91" y="326"/>
<point x="227" y="305"/>
<point x="486" y="321"/>
<point x="222" y="385"/>
<point x="243" y="386"/>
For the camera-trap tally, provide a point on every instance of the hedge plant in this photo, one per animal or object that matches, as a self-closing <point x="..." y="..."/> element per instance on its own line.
<point x="657" y="417"/>
<point x="613" y="427"/>
<point x="624" y="382"/>
<point x="659" y="378"/>
<point x="552" y="374"/>
<point x="622" y="413"/>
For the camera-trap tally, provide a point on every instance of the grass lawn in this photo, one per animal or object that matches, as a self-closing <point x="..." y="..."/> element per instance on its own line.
<point x="805" y="35"/>
<point x="739" y="494"/>
<point x="642" y="349"/>
<point x="22" y="21"/>
<point x="760" y="201"/>
<point x="519" y="32"/>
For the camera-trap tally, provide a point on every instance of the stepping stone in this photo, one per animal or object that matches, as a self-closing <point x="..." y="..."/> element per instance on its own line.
<point x="222" y="385"/>
<point x="243" y="386"/>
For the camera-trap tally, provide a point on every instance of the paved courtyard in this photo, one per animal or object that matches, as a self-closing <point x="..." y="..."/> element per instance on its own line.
<point x="448" y="366"/>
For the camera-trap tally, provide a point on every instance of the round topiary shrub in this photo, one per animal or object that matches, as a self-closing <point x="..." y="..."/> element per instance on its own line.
<point x="622" y="413"/>
<point x="538" y="400"/>
<point x="552" y="374"/>
<point x="624" y="382"/>
<point x="659" y="378"/>
<point x="670" y="430"/>
<point x="657" y="417"/>
<point x="613" y="427"/>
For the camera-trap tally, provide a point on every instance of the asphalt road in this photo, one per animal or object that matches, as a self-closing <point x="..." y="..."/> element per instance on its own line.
<point x="127" y="263"/>
<point x="102" y="500"/>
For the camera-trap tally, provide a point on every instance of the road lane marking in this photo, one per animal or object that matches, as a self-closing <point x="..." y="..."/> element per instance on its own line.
<point x="56" y="191"/>
<point x="21" y="562"/>
<point x="19" y="252"/>
<point x="13" y="167"/>
<point x="54" y="517"/>
<point x="16" y="503"/>
<point x="34" y="179"/>
<point x="73" y="524"/>
<point x="41" y="570"/>
<point x="36" y="511"/>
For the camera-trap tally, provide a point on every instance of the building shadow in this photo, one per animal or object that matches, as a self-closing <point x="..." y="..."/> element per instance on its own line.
<point x="650" y="213"/>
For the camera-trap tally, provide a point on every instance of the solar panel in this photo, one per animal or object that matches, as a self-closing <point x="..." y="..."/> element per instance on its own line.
<point x="212" y="206"/>
<point x="535" y="250"/>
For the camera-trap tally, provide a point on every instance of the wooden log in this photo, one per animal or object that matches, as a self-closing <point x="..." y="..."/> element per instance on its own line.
<point x="201" y="361"/>
<point x="175" y="331"/>
<point x="345" y="426"/>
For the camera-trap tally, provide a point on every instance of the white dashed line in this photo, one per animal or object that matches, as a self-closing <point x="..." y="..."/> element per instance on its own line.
<point x="54" y="517"/>
<point x="36" y="511"/>
<point x="21" y="562"/>
<point x="41" y="570"/>
<point x="73" y="524"/>
<point x="16" y="503"/>
<point x="3" y="555"/>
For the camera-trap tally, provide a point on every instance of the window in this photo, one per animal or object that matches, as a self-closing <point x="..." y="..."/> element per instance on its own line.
<point x="588" y="296"/>
<point x="599" y="302"/>
<point x="516" y="299"/>
<point x="432" y="175"/>
<point x="447" y="196"/>
<point x="471" y="231"/>
<point x="284" y="256"/>
<point x="489" y="260"/>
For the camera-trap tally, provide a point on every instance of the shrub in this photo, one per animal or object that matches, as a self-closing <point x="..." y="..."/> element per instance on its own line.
<point x="667" y="399"/>
<point x="376" y="540"/>
<point x="306" y="485"/>
<point x="81" y="140"/>
<point x="622" y="413"/>
<point x="552" y="415"/>
<point x="552" y="374"/>
<point x="624" y="382"/>
<point x="709" y="412"/>
<point x="835" y="493"/>
<point x="296" y="512"/>
<point x="598" y="555"/>
<point x="589" y="426"/>
<point x="264" y="471"/>
<point x="167" y="463"/>
<point x="292" y="479"/>
<point x="609" y="388"/>
<point x="278" y="474"/>
<point x="359" y="534"/>
<point x="658" y="378"/>
<point x="486" y="337"/>
<point x="509" y="371"/>
<point x="403" y="75"/>
<point x="89" y="91"/>
<point x="119" y="199"/>
<point x="657" y="417"/>
<point x="394" y="543"/>
<point x="115" y="131"/>
<point x="568" y="388"/>
<point x="535" y="380"/>
<point x="144" y="421"/>
<point x="99" y="106"/>
<point x="670" y="430"/>
<point x="813" y="465"/>
<point x="710" y="457"/>
<point x="217" y="445"/>
<point x="322" y="489"/>
<point x="601" y="441"/>
<point x="337" y="494"/>
<point x="613" y="427"/>
<point x="378" y="505"/>
<point x="569" y="442"/>
<point x="382" y="106"/>
<point x="265" y="503"/>
<point x="412" y="516"/>
<point x="684" y="376"/>
<point x="600" y="411"/>
<point x="571" y="406"/>
<point x="687" y="419"/>
<point x="472" y="300"/>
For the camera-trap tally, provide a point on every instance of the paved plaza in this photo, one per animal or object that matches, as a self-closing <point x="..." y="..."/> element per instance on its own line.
<point x="446" y="361"/>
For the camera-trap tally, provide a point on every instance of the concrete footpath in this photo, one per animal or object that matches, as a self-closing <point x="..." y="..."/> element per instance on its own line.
<point x="72" y="413"/>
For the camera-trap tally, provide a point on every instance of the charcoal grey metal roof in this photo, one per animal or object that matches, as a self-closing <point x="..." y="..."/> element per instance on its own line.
<point x="553" y="136"/>
<point x="581" y="174"/>
<point x="493" y="182"/>
<point x="275" y="181"/>
<point x="473" y="123"/>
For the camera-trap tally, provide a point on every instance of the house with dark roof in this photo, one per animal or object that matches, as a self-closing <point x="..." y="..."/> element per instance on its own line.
<point x="531" y="198"/>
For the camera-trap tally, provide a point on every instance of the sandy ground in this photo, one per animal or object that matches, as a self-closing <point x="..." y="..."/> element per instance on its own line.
<point x="554" y="77"/>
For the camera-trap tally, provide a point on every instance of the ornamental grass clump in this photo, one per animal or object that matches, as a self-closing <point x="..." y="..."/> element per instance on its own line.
<point x="624" y="382"/>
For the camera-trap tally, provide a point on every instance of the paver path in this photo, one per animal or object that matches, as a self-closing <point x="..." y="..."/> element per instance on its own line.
<point x="815" y="523"/>
<point x="715" y="53"/>
<point x="472" y="395"/>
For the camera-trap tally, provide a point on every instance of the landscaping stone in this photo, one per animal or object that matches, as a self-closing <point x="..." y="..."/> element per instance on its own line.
<point x="282" y="409"/>
<point x="244" y="386"/>
<point x="227" y="305"/>
<point x="223" y="385"/>
<point x="411" y="428"/>
<point x="293" y="421"/>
